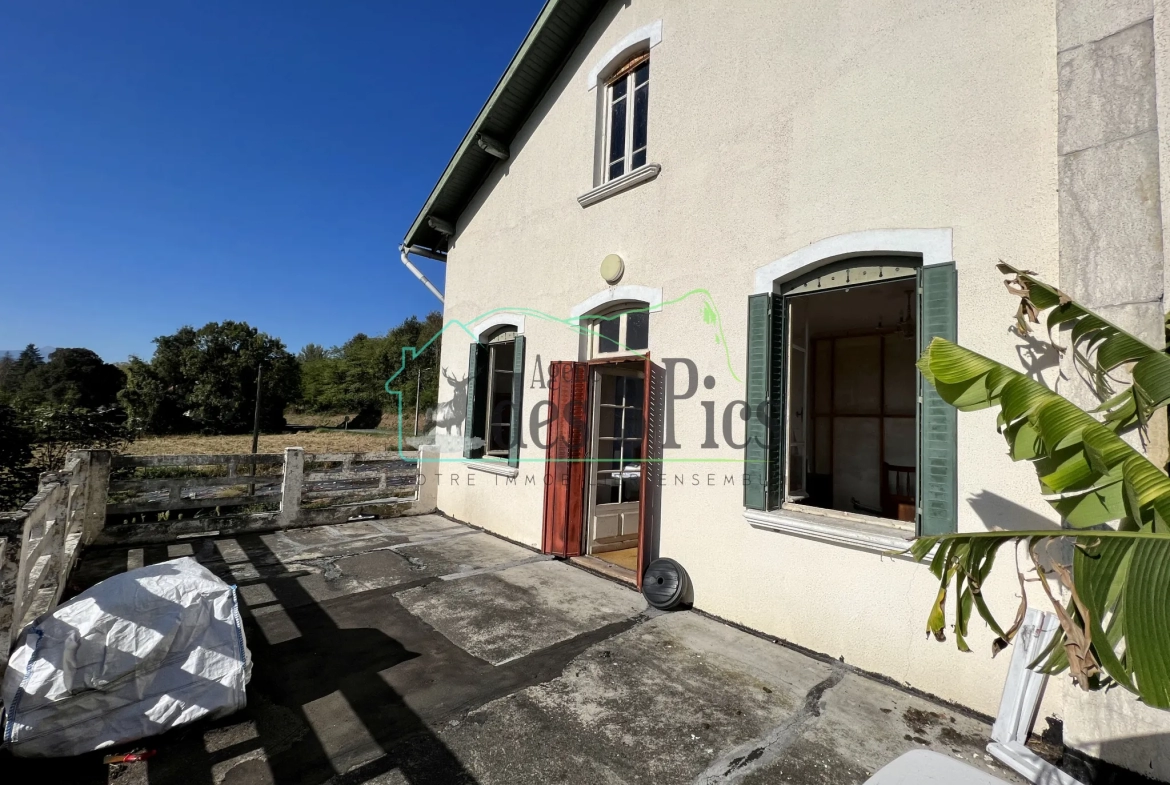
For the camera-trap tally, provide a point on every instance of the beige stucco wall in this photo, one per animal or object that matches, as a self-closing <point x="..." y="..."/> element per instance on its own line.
<point x="777" y="126"/>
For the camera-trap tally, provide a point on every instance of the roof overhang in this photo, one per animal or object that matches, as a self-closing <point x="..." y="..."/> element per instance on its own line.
<point x="553" y="37"/>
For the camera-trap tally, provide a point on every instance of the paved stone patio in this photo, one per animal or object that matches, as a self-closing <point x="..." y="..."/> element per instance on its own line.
<point x="418" y="650"/>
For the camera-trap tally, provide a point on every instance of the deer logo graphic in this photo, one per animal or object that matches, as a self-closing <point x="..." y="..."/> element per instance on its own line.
<point x="450" y="413"/>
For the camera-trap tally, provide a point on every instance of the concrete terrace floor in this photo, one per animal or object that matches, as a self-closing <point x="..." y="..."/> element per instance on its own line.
<point x="419" y="650"/>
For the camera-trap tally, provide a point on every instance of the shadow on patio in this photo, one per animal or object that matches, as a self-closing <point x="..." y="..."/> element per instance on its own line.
<point x="418" y="650"/>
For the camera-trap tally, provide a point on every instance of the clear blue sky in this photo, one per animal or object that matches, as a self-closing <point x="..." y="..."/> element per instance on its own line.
<point x="175" y="163"/>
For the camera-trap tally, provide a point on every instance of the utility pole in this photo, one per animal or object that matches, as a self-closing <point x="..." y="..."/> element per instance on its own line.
<point x="417" y="387"/>
<point x="256" y="428"/>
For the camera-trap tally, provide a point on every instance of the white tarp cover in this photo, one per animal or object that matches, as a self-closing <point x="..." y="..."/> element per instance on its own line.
<point x="135" y="655"/>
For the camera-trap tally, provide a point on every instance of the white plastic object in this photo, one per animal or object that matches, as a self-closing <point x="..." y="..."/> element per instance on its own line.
<point x="131" y="657"/>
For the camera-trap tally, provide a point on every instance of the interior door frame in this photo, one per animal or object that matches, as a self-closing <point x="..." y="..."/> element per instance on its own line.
<point x="646" y="537"/>
<point x="789" y="465"/>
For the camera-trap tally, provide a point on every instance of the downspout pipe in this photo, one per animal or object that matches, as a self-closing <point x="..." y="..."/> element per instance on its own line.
<point x="402" y="251"/>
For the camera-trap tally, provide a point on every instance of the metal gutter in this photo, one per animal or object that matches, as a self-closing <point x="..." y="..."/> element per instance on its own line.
<point x="402" y="251"/>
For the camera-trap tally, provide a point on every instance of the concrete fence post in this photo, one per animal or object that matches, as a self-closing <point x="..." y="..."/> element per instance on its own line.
<point x="61" y="565"/>
<point x="427" y="496"/>
<point x="290" y="485"/>
<point x="94" y="479"/>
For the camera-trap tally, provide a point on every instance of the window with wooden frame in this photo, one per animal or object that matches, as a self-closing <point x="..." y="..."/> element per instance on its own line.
<point x="495" y="387"/>
<point x="626" y="114"/>
<point x="623" y="330"/>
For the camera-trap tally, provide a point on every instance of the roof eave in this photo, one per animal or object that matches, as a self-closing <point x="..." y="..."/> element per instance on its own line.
<point x="420" y="233"/>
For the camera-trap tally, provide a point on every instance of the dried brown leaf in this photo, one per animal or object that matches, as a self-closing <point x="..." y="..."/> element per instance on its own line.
<point x="1082" y="665"/>
<point x="999" y="644"/>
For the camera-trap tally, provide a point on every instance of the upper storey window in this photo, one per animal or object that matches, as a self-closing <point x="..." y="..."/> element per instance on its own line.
<point x="627" y="105"/>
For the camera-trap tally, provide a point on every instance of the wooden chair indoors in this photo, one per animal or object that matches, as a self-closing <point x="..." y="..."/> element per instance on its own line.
<point x="898" y="492"/>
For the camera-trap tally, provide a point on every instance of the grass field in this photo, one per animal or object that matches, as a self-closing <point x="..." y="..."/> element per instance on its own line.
<point x="389" y="421"/>
<point x="317" y="420"/>
<point x="334" y="441"/>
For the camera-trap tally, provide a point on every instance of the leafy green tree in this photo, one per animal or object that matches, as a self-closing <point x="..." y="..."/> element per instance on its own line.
<point x="205" y="380"/>
<point x="66" y="403"/>
<point x="7" y="363"/>
<point x="73" y="378"/>
<point x="14" y="373"/>
<point x="1114" y="628"/>
<point x="154" y="400"/>
<point x="351" y="377"/>
<point x="29" y="360"/>
<point x="312" y="352"/>
<point x="18" y="479"/>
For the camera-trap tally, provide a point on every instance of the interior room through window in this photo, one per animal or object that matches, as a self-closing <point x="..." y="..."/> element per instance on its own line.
<point x="851" y="400"/>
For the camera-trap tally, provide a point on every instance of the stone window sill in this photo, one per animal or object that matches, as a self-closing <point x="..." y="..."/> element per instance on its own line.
<point x="875" y="536"/>
<point x="643" y="174"/>
<point x="494" y="466"/>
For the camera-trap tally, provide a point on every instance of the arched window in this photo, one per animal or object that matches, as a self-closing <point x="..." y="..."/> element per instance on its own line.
<point x="627" y="106"/>
<point x="840" y="418"/>
<point x="619" y="329"/>
<point x="494" y="390"/>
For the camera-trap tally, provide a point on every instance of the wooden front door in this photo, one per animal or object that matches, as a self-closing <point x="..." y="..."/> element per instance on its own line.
<point x="564" y="468"/>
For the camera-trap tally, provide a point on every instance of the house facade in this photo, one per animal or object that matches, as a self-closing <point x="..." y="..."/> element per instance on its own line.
<point x="693" y="253"/>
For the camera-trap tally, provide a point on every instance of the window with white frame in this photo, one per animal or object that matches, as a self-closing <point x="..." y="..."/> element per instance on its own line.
<point x="494" y="390"/>
<point x="621" y="330"/>
<point x="627" y="108"/>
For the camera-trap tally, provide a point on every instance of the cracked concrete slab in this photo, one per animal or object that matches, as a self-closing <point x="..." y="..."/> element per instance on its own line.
<point x="683" y="698"/>
<point x="862" y="725"/>
<point x="471" y="552"/>
<point x="654" y="704"/>
<point x="419" y="651"/>
<point x="500" y="616"/>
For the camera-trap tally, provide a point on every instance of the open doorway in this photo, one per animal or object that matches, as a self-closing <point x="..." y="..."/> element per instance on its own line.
<point x="614" y="490"/>
<point x="603" y="464"/>
<point x="852" y="400"/>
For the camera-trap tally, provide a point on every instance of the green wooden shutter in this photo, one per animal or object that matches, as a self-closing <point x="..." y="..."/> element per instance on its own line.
<point x="515" y="429"/>
<point x="475" y="426"/>
<point x="938" y="496"/>
<point x="777" y="442"/>
<point x="764" y="454"/>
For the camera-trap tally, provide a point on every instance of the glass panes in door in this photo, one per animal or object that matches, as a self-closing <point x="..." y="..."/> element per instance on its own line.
<point x="618" y="468"/>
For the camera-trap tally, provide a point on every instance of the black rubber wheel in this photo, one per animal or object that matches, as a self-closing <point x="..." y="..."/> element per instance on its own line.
<point x="665" y="584"/>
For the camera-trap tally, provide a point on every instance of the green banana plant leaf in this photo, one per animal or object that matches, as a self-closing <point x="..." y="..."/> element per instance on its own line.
<point x="1099" y="348"/>
<point x="1087" y="472"/>
<point x="1116" y="628"/>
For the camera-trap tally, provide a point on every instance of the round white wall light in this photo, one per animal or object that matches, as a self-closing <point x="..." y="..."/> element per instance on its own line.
<point x="612" y="268"/>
